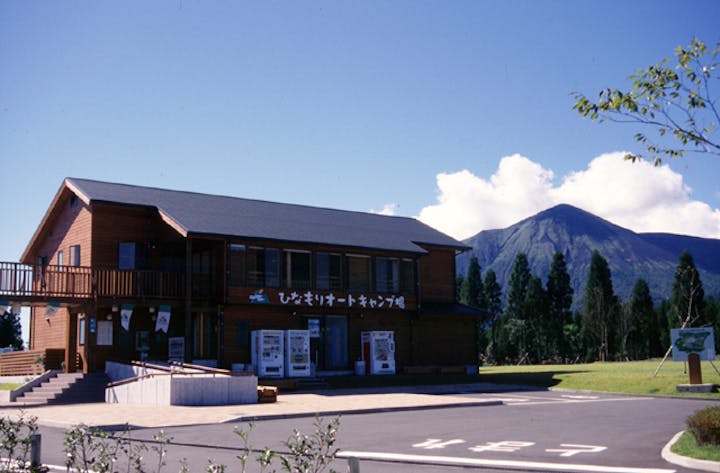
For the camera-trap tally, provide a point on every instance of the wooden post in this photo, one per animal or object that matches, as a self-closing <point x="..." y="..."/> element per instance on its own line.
<point x="694" y="368"/>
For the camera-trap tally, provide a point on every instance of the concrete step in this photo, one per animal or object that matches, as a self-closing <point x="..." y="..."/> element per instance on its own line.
<point x="69" y="388"/>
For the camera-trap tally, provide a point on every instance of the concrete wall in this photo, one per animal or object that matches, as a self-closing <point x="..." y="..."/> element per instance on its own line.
<point x="179" y="389"/>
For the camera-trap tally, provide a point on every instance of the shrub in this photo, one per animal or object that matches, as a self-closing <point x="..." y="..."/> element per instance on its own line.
<point x="705" y="426"/>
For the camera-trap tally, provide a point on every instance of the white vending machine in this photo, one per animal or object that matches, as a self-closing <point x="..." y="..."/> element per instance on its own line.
<point x="267" y="353"/>
<point x="297" y="353"/>
<point x="378" y="352"/>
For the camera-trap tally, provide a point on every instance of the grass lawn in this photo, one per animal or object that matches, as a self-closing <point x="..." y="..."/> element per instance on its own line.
<point x="8" y="386"/>
<point x="635" y="377"/>
<point x="688" y="447"/>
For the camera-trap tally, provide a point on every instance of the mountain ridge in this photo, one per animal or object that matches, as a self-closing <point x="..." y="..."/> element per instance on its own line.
<point x="577" y="233"/>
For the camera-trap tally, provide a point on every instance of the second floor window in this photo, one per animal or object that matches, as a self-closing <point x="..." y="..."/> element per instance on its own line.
<point x="237" y="265"/>
<point x="75" y="255"/>
<point x="263" y="267"/>
<point x="60" y="259"/>
<point x="387" y="275"/>
<point x="297" y="269"/>
<point x="358" y="268"/>
<point x="328" y="271"/>
<point x="126" y="255"/>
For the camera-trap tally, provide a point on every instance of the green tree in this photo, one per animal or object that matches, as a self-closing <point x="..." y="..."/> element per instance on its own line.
<point x="492" y="296"/>
<point x="642" y="322"/>
<point x="10" y="330"/>
<point x="535" y="309"/>
<point x="492" y="293"/>
<point x="518" y="282"/>
<point x="674" y="98"/>
<point x="599" y="315"/>
<point x="687" y="303"/>
<point x="471" y="289"/>
<point x="559" y="300"/>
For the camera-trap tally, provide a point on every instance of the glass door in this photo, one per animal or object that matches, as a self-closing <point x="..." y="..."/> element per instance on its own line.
<point x="335" y="342"/>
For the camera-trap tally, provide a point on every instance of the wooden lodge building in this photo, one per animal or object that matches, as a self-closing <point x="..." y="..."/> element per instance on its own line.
<point x="109" y="263"/>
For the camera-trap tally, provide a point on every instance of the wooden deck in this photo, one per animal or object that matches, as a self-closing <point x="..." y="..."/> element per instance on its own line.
<point x="34" y="284"/>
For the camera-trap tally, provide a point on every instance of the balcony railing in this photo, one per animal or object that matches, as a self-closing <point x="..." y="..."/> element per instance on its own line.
<point x="78" y="282"/>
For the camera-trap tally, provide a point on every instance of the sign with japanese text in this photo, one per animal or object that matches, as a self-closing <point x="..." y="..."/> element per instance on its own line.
<point x="693" y="340"/>
<point x="330" y="300"/>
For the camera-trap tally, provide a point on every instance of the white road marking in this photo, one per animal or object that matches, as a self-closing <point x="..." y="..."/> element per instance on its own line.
<point x="579" y="397"/>
<point x="573" y="449"/>
<point x="431" y="444"/>
<point x="510" y="464"/>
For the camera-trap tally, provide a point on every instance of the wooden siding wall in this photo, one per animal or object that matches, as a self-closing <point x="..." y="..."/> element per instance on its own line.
<point x="437" y="276"/>
<point x="69" y="226"/>
<point x="48" y="332"/>
<point x="115" y="224"/>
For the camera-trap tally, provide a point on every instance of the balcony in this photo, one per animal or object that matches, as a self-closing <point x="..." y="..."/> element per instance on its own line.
<point x="37" y="284"/>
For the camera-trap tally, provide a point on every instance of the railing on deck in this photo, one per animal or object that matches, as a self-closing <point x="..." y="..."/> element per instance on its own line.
<point x="78" y="282"/>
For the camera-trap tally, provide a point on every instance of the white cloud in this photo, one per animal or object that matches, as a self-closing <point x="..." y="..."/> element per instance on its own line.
<point x="388" y="209"/>
<point x="638" y="196"/>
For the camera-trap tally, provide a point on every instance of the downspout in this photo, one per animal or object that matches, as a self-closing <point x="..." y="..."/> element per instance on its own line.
<point x="188" y="301"/>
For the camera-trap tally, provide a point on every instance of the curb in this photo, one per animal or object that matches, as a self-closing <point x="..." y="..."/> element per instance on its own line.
<point x="369" y="410"/>
<point x="687" y="462"/>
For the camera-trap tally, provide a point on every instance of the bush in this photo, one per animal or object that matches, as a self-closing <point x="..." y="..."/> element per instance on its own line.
<point x="705" y="426"/>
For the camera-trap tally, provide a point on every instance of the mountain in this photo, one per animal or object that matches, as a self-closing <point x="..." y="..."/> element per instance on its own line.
<point x="577" y="233"/>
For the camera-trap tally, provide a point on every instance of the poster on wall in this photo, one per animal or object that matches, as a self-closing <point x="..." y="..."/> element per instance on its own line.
<point x="104" y="332"/>
<point x="693" y="340"/>
<point x="163" y="319"/>
<point x="314" y="328"/>
<point x="176" y="349"/>
<point x="126" y="311"/>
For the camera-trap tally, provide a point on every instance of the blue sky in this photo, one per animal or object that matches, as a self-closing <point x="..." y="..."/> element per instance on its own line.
<point x="447" y="110"/>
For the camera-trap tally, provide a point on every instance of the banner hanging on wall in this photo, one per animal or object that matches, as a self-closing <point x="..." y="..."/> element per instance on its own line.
<point x="51" y="309"/>
<point x="126" y="311"/>
<point x="163" y="319"/>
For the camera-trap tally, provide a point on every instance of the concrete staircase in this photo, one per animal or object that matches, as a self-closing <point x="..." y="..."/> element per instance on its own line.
<point x="68" y="388"/>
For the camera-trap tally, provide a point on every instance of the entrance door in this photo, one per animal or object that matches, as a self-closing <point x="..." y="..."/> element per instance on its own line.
<point x="335" y="341"/>
<point x="329" y="341"/>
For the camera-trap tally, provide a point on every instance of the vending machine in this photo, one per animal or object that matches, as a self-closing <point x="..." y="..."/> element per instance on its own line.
<point x="267" y="353"/>
<point x="297" y="353"/>
<point x="378" y="352"/>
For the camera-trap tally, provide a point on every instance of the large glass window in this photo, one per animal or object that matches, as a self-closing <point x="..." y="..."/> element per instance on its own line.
<point x="126" y="255"/>
<point x="297" y="269"/>
<point x="272" y="267"/>
<point x="75" y="255"/>
<point x="328" y="271"/>
<point x="358" y="273"/>
<point x="263" y="267"/>
<point x="387" y="275"/>
<point x="237" y="265"/>
<point x="407" y="276"/>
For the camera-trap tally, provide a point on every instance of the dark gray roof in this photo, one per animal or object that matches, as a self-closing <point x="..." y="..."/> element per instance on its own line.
<point x="204" y="214"/>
